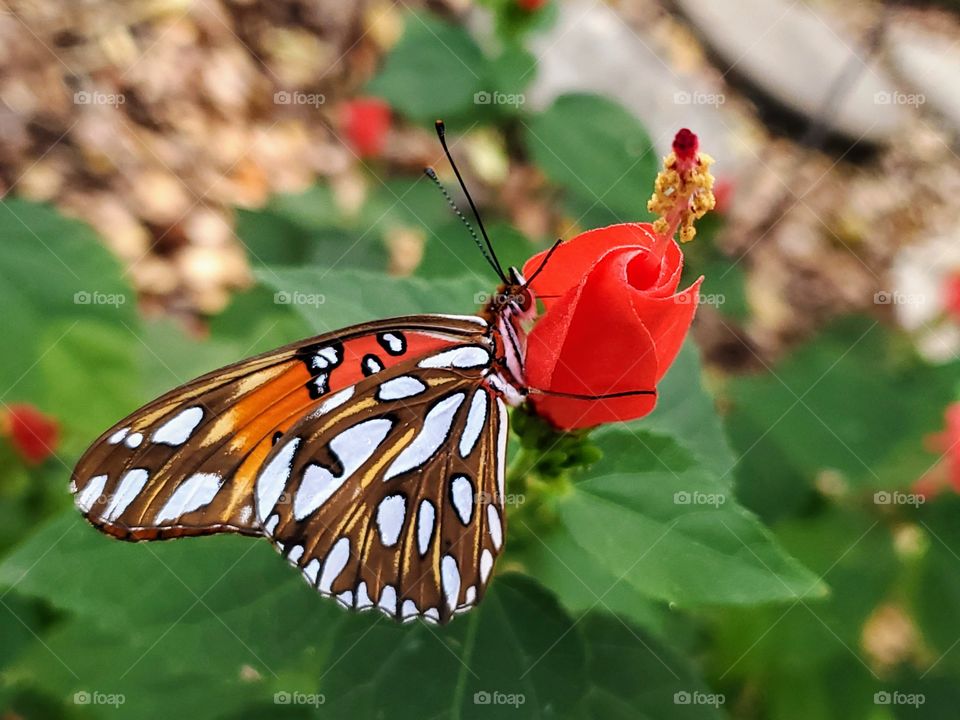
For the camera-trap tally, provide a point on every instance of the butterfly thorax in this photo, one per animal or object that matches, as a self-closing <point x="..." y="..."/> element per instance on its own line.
<point x="510" y="311"/>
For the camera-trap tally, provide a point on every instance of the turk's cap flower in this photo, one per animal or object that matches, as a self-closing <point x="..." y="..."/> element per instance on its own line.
<point x="614" y="319"/>
<point x="614" y="323"/>
<point x="33" y="434"/>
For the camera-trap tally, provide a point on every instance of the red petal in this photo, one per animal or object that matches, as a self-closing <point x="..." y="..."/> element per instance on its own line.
<point x="592" y="342"/>
<point x="668" y="321"/>
<point x="573" y="259"/>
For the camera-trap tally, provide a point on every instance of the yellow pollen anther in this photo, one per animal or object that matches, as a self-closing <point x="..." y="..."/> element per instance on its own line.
<point x="683" y="193"/>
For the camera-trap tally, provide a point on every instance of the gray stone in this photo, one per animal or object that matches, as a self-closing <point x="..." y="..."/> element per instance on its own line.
<point x="929" y="63"/>
<point x="591" y="49"/>
<point x="794" y="54"/>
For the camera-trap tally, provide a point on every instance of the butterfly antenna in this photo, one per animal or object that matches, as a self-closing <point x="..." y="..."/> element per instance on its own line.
<point x="431" y="173"/>
<point x="543" y="263"/>
<point x="442" y="134"/>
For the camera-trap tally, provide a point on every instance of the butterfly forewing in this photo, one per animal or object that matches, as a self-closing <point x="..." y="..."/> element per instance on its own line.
<point x="391" y="495"/>
<point x="186" y="463"/>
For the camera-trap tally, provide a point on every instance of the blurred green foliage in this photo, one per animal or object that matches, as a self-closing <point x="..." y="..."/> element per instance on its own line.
<point x="683" y="575"/>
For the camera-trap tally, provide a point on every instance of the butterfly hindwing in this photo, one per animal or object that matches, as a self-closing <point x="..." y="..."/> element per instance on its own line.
<point x="185" y="464"/>
<point x="391" y="494"/>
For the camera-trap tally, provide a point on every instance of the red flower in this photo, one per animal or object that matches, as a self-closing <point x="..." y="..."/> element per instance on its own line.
<point x="951" y="300"/>
<point x="33" y="434"/>
<point x="614" y="323"/>
<point x="531" y="5"/>
<point x="366" y="122"/>
<point x="949" y="442"/>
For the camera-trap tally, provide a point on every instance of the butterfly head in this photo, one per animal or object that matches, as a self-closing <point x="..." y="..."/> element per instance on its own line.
<point x="513" y="299"/>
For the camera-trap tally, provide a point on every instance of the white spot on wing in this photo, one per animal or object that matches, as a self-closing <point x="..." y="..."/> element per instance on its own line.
<point x="193" y="493"/>
<point x="353" y="447"/>
<point x="334" y="564"/>
<point x="431" y="615"/>
<point x="390" y="514"/>
<point x="273" y="478"/>
<point x="363" y="598"/>
<point x="495" y="528"/>
<point x="91" y="493"/>
<point x="486" y="565"/>
<point x="450" y="580"/>
<point x="461" y="492"/>
<point x="178" y="429"/>
<point x="475" y="419"/>
<point x="388" y="601"/>
<point x="334" y="401"/>
<point x="346" y="598"/>
<point x="409" y="611"/>
<point x="394" y="342"/>
<point x="399" y="388"/>
<point x="433" y="434"/>
<point x="426" y="516"/>
<point x="463" y="357"/>
<point x="272" y="524"/>
<point x="296" y="552"/>
<point x="310" y="571"/>
<point x="118" y="436"/>
<point x="133" y="440"/>
<point x="130" y="486"/>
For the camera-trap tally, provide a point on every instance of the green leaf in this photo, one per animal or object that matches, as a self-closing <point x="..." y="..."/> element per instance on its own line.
<point x="302" y="228"/>
<point x="506" y="656"/>
<point x="839" y="403"/>
<point x="632" y="675"/>
<point x="352" y="296"/>
<point x="191" y="615"/>
<point x="433" y="71"/>
<point x="685" y="411"/>
<point x="55" y="278"/>
<point x="599" y="154"/>
<point x="854" y="555"/>
<point x="650" y="515"/>
<point x="938" y="580"/>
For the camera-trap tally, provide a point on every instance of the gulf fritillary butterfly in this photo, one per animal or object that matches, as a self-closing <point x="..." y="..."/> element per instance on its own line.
<point x="372" y="457"/>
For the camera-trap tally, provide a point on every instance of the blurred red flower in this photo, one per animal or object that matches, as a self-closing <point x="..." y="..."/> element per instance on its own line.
<point x="951" y="300"/>
<point x="950" y="444"/>
<point x="613" y="324"/>
<point x="366" y="122"/>
<point x="33" y="435"/>
<point x="531" y="5"/>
